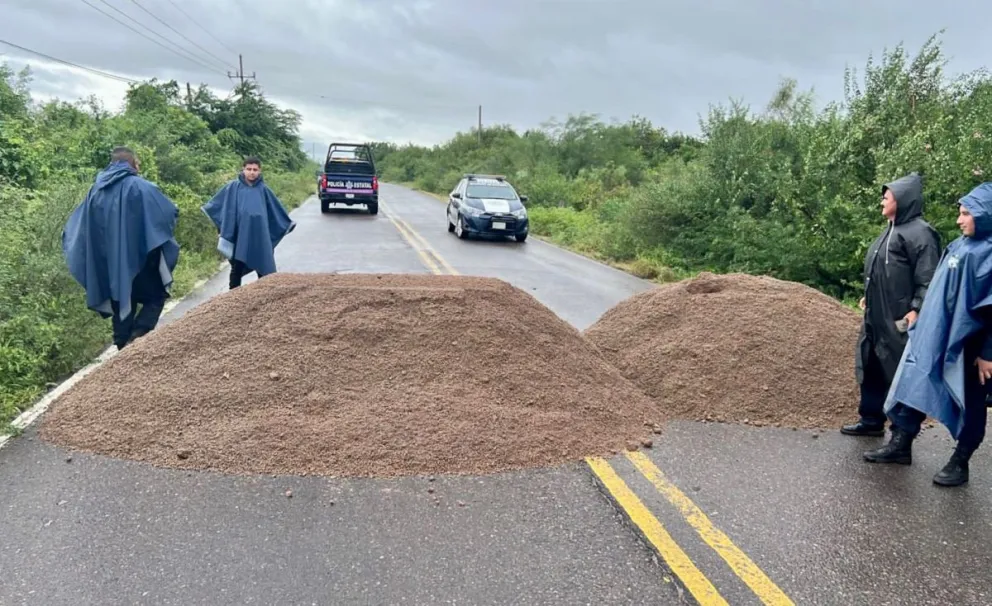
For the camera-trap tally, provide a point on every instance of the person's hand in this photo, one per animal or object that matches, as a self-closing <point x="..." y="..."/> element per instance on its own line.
<point x="911" y="317"/>
<point x="984" y="370"/>
<point x="862" y="304"/>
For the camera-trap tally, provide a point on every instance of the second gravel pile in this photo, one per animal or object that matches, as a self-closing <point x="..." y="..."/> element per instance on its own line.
<point x="737" y="349"/>
<point x="357" y="375"/>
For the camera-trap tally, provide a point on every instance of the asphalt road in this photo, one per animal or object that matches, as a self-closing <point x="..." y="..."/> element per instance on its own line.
<point x="780" y="516"/>
<point x="101" y="531"/>
<point x="816" y="522"/>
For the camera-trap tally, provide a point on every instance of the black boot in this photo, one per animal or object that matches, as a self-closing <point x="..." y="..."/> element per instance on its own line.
<point x="955" y="473"/>
<point x="899" y="449"/>
<point x="864" y="429"/>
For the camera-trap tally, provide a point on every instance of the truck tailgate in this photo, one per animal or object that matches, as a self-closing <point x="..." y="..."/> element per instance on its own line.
<point x="348" y="184"/>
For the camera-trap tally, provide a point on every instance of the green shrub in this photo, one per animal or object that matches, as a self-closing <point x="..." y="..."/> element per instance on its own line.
<point x="787" y="191"/>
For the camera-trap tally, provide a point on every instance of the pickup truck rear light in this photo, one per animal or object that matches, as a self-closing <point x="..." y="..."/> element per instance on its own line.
<point x="375" y="184"/>
<point x="323" y="181"/>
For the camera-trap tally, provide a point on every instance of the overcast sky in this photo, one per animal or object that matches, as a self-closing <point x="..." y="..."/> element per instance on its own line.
<point x="416" y="70"/>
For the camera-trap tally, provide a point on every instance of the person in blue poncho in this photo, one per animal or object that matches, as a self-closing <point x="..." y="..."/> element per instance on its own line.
<point x="250" y="221"/>
<point x="946" y="368"/>
<point x="119" y="246"/>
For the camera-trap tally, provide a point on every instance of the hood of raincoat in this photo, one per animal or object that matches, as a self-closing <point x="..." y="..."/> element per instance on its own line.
<point x="908" y="192"/>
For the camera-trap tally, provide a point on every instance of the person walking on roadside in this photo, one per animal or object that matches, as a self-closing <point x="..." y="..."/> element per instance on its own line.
<point x="119" y="245"/>
<point x="898" y="269"/>
<point x="946" y="369"/>
<point x="250" y="221"/>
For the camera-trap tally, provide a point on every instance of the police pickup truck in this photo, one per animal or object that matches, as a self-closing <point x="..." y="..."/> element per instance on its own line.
<point x="349" y="177"/>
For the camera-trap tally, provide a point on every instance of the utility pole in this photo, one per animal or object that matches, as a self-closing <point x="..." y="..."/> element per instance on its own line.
<point x="241" y="71"/>
<point x="480" y="126"/>
<point x="189" y="96"/>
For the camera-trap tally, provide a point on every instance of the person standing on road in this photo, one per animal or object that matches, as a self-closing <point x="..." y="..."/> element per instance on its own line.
<point x="250" y="221"/>
<point x="119" y="245"/>
<point x="898" y="269"/>
<point x="946" y="370"/>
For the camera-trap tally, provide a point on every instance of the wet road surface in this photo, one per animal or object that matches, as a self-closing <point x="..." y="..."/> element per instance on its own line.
<point x="810" y="521"/>
<point x="780" y="516"/>
<point x="101" y="531"/>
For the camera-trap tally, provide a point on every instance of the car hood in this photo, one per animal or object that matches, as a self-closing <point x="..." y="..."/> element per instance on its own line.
<point x="496" y="205"/>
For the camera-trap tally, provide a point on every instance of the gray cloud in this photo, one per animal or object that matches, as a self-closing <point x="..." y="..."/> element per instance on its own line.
<point x="417" y="69"/>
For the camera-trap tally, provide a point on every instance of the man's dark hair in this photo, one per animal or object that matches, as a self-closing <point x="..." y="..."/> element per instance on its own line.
<point x="252" y="160"/>
<point x="122" y="153"/>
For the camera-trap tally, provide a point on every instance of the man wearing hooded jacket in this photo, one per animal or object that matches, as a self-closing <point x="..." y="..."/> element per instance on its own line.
<point x="946" y="370"/>
<point x="119" y="245"/>
<point x="898" y="268"/>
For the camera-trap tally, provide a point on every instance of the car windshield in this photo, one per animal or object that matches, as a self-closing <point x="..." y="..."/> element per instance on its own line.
<point x="497" y="192"/>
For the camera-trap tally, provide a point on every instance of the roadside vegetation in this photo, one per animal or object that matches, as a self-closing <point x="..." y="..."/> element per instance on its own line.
<point x="790" y="191"/>
<point x="189" y="144"/>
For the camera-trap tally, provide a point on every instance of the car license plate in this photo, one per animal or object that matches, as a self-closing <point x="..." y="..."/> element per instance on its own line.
<point x="349" y="195"/>
<point x="499" y="225"/>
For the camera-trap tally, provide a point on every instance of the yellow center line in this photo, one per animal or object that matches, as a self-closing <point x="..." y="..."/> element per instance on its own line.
<point x="766" y="590"/>
<point x="695" y="581"/>
<point x="424" y="256"/>
<point x="692" y="578"/>
<point x="423" y="243"/>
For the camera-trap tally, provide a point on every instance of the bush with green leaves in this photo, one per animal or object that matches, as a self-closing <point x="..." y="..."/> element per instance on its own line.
<point x="789" y="191"/>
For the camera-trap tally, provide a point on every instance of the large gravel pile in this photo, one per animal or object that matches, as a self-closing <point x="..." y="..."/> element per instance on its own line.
<point x="357" y="375"/>
<point x="737" y="348"/>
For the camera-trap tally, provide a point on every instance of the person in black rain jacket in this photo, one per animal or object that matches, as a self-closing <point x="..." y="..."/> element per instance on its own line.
<point x="898" y="269"/>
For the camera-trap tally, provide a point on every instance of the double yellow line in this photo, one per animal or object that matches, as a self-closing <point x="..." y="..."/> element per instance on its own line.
<point x="428" y="255"/>
<point x="681" y="564"/>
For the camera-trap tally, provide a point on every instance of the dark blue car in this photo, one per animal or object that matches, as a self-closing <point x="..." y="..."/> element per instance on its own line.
<point x="487" y="205"/>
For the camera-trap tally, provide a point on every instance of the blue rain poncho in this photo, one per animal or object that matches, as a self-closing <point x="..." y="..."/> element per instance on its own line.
<point x="250" y="222"/>
<point x="931" y="374"/>
<point x="109" y="236"/>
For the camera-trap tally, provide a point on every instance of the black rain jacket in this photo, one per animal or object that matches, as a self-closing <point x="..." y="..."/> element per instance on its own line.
<point x="898" y="269"/>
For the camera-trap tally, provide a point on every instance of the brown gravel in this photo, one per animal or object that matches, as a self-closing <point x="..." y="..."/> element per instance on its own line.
<point x="357" y="375"/>
<point x="737" y="349"/>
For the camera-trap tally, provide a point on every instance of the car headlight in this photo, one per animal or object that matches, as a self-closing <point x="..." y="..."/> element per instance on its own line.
<point x="520" y="214"/>
<point x="471" y="210"/>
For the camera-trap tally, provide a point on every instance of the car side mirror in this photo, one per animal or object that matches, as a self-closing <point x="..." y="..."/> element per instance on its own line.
<point x="523" y="198"/>
<point x="456" y="195"/>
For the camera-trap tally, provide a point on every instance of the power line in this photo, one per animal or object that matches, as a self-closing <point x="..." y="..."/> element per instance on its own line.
<point x="197" y="23"/>
<point x="202" y="61"/>
<point x="109" y="16"/>
<point x="223" y="62"/>
<point x="82" y="67"/>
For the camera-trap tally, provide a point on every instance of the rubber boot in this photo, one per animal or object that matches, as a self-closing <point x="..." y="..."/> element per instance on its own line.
<point x="955" y="473"/>
<point x="899" y="450"/>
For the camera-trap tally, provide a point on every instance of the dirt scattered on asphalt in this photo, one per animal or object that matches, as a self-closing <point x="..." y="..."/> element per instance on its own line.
<point x="737" y="349"/>
<point x="357" y="375"/>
